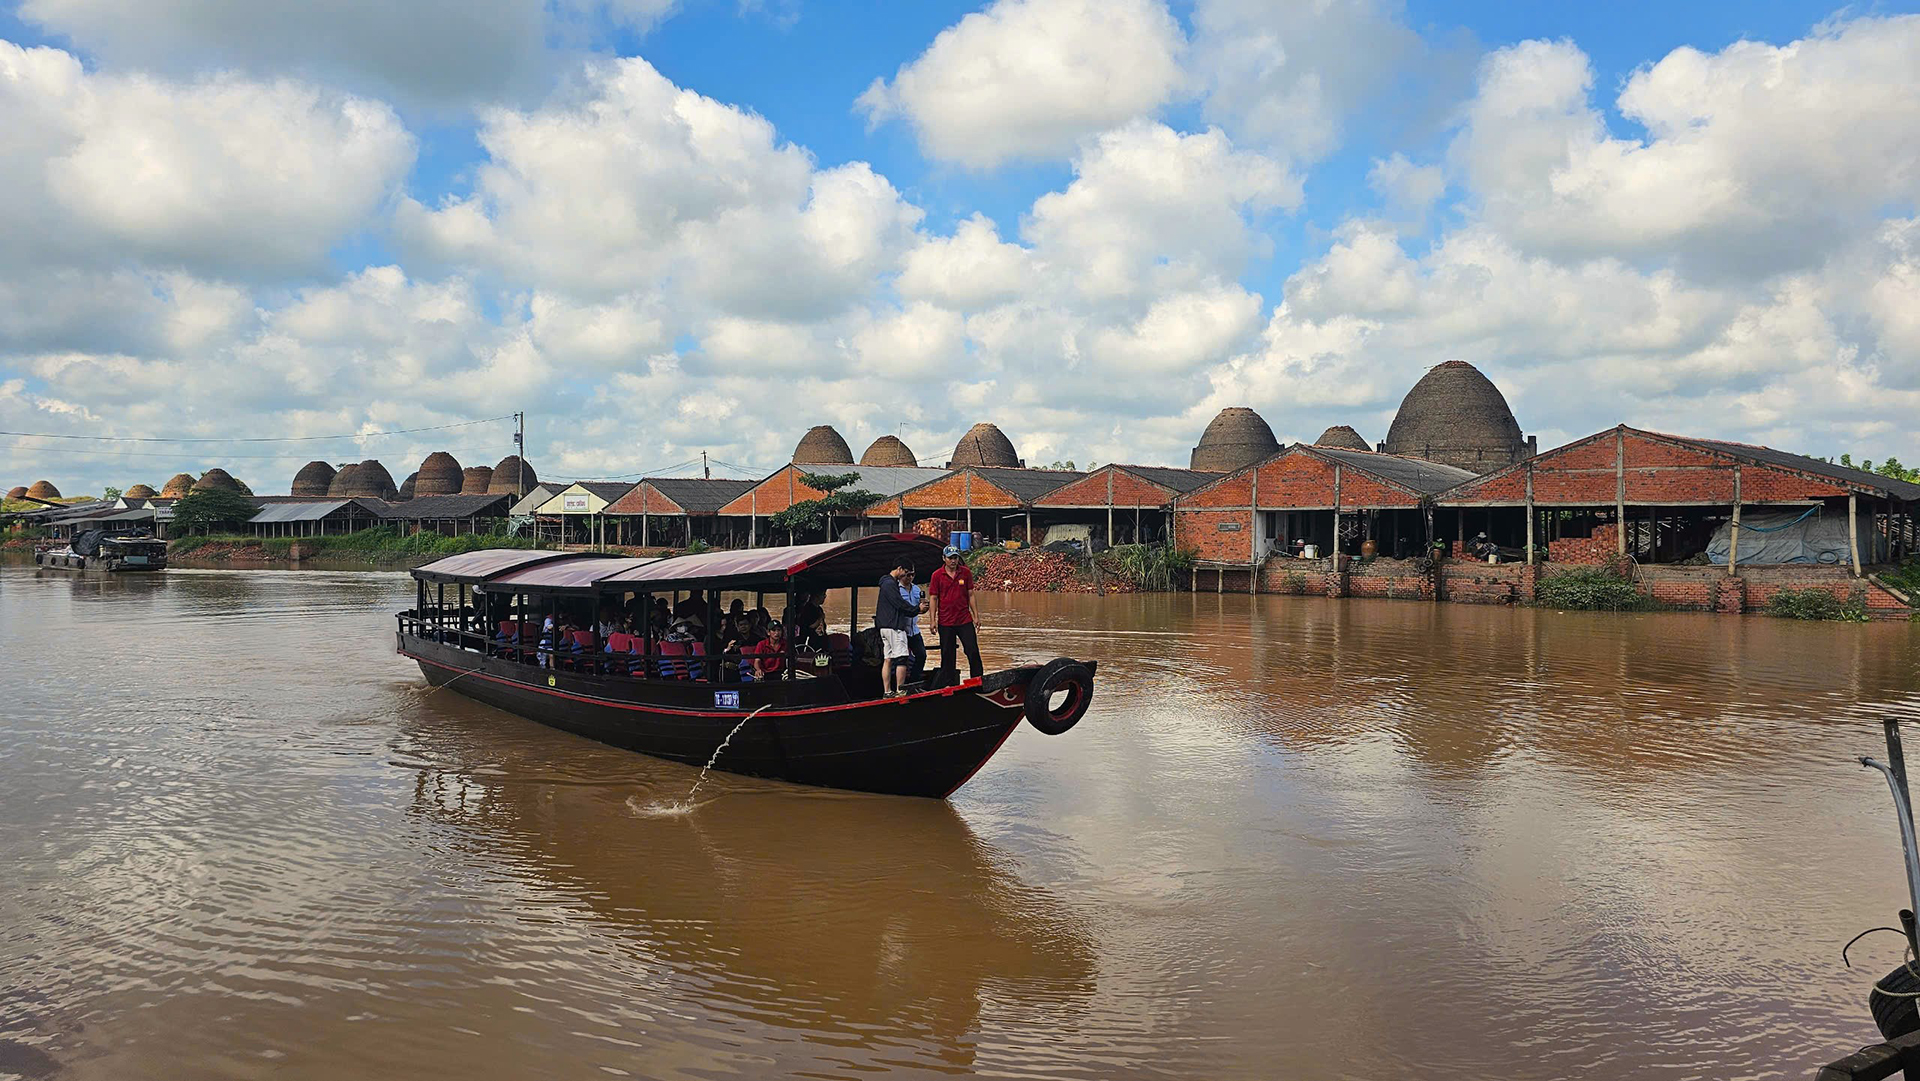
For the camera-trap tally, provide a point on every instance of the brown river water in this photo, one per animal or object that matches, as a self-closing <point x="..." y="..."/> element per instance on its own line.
<point x="1295" y="838"/>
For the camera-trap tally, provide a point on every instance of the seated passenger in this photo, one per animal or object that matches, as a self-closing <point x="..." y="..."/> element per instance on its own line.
<point x="769" y="654"/>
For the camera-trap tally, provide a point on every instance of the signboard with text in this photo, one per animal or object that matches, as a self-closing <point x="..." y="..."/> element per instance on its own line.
<point x="574" y="503"/>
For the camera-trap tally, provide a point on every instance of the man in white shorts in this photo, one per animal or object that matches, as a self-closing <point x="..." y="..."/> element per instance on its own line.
<point x="893" y="614"/>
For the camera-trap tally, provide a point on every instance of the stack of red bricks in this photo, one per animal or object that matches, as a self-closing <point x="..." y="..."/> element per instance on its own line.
<point x="937" y="528"/>
<point x="1599" y="548"/>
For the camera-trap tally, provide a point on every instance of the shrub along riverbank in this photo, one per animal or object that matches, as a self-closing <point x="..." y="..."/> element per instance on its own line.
<point x="381" y="546"/>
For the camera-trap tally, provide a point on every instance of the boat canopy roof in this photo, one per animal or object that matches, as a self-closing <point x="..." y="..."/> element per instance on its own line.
<point x="803" y="566"/>
<point x="473" y="567"/>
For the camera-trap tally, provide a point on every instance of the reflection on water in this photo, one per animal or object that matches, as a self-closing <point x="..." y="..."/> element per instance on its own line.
<point x="1294" y="838"/>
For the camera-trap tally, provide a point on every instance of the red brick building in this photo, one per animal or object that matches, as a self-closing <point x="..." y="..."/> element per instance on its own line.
<point x="1324" y="499"/>
<point x="1119" y="504"/>
<point x="1659" y="498"/>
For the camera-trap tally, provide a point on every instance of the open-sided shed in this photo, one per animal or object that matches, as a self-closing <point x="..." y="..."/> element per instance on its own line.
<point x="1662" y="499"/>
<point x="672" y="511"/>
<point x="1123" y="504"/>
<point x="1329" y="498"/>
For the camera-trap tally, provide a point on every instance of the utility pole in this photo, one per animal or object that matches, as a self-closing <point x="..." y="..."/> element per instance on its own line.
<point x="704" y="471"/>
<point x="520" y="454"/>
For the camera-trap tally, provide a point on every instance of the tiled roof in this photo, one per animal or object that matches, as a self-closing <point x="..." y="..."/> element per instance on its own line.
<point x="1026" y="485"/>
<point x="1416" y="473"/>
<point x="423" y="507"/>
<point x="1898" y="489"/>
<point x="699" y="495"/>
<point x="1180" y="480"/>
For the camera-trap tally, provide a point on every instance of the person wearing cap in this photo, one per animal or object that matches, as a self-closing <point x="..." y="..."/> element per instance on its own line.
<point x="951" y="590"/>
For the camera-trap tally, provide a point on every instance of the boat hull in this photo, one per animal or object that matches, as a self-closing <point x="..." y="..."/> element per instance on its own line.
<point x="62" y="559"/>
<point x="926" y="744"/>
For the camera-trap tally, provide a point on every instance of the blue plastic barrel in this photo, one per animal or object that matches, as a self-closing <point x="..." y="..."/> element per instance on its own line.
<point x="962" y="541"/>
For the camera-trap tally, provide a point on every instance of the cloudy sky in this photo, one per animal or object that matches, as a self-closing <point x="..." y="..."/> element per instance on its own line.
<point x="667" y="226"/>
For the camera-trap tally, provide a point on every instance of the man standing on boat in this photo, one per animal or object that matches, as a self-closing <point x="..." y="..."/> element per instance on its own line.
<point x="893" y="614"/>
<point x="952" y="591"/>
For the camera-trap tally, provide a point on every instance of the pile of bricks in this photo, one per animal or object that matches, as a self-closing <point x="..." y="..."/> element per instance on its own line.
<point x="1037" y="571"/>
<point x="937" y="528"/>
<point x="1603" y="546"/>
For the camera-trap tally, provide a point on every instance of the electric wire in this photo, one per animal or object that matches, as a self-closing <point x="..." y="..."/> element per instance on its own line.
<point x="253" y="438"/>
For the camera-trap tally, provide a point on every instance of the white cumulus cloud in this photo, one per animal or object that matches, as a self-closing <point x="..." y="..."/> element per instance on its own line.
<point x="1028" y="79"/>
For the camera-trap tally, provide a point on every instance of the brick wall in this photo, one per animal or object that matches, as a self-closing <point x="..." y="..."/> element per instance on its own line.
<point x="1884" y="605"/>
<point x="1298" y="576"/>
<point x="1394" y="578"/>
<point x="950" y="492"/>
<point x="1128" y="491"/>
<point x="1233" y="491"/>
<point x="1468" y="582"/>
<point x="1764" y="581"/>
<point x="1199" y="531"/>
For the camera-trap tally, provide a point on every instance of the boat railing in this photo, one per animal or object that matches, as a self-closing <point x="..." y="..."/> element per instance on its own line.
<point x="668" y="661"/>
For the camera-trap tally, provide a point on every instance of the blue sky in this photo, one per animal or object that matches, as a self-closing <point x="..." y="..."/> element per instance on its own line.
<point x="1160" y="246"/>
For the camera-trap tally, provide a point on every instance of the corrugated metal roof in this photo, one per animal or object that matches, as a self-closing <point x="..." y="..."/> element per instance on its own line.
<point x="1180" y="480"/>
<point x="887" y="480"/>
<point x="487" y="563"/>
<point x="535" y="496"/>
<point x="1416" y="473"/>
<point x="565" y="574"/>
<point x="301" y="512"/>
<point x="423" y="507"/>
<point x="1898" y="489"/>
<point x="699" y="495"/>
<point x="1026" y="485"/>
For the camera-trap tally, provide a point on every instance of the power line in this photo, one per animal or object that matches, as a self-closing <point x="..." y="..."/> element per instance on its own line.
<point x="111" y="453"/>
<point x="252" y="438"/>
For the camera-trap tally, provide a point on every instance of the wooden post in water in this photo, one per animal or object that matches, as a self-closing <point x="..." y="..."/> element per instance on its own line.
<point x="1530" y="514"/>
<point x="1620" y="490"/>
<point x="1733" y="548"/>
<point x="1853" y="530"/>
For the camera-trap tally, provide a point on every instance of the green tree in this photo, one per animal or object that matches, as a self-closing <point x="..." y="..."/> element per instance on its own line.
<point x="110" y="493"/>
<point x="1067" y="464"/>
<point x="202" y="511"/>
<point x="810" y="514"/>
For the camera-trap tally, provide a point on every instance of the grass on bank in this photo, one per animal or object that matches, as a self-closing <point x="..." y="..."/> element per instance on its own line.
<point x="1591" y="589"/>
<point x="1815" y="603"/>
<point x="369" y="542"/>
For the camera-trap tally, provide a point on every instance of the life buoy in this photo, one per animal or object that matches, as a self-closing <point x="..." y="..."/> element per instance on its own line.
<point x="1061" y="673"/>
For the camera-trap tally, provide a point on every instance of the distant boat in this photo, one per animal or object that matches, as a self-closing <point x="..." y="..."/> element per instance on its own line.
<point x="821" y="721"/>
<point x="97" y="549"/>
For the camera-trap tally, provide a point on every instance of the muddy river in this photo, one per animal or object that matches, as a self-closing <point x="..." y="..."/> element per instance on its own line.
<point x="1294" y="838"/>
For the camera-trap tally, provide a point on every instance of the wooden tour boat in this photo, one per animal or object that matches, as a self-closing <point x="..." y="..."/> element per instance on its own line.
<point x="102" y="551"/>
<point x="822" y="720"/>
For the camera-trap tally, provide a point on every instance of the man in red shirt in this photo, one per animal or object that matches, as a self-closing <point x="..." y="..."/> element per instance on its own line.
<point x="952" y="592"/>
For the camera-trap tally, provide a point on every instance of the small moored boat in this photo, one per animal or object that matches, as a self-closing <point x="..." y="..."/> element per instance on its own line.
<point x="99" y="550"/>
<point x="477" y="622"/>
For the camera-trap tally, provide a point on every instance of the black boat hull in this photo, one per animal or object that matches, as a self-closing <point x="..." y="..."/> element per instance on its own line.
<point x="926" y="744"/>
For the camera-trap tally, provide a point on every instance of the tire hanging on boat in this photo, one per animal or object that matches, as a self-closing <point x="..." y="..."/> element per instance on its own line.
<point x="1061" y="673"/>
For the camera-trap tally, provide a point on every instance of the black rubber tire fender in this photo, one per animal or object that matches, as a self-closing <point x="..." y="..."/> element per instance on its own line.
<point x="1895" y="1016"/>
<point x="1061" y="673"/>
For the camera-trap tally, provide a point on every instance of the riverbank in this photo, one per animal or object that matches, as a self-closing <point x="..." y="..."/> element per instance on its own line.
<point x="370" y="548"/>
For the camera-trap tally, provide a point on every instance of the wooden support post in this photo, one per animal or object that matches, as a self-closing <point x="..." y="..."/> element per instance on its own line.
<point x="1733" y="546"/>
<point x="1109" y="508"/>
<point x="1620" y="490"/>
<point x="1853" y="530"/>
<point x="966" y="483"/>
<point x="1530" y="513"/>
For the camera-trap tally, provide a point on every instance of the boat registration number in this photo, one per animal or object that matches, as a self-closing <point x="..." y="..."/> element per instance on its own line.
<point x="726" y="700"/>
